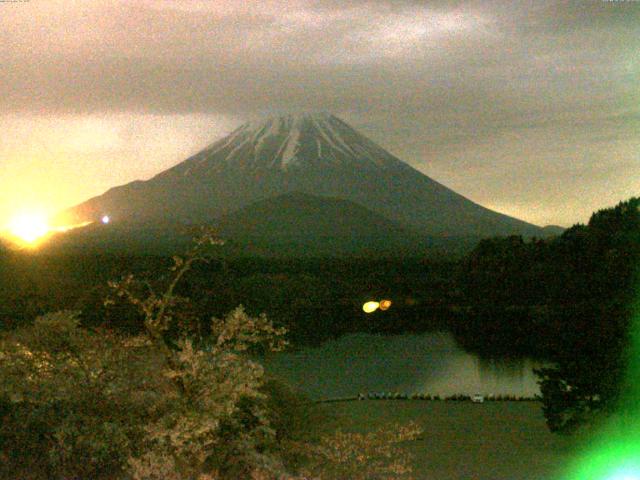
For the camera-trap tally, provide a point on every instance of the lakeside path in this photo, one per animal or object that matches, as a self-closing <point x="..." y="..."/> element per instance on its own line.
<point x="467" y="441"/>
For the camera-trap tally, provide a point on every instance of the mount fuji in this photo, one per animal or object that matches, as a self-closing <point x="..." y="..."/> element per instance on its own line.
<point x="309" y="154"/>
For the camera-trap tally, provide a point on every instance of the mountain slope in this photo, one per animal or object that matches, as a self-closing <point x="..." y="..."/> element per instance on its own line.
<point x="299" y="224"/>
<point x="317" y="154"/>
<point x="293" y="224"/>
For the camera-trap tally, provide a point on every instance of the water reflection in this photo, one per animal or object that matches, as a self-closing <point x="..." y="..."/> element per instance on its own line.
<point x="431" y="363"/>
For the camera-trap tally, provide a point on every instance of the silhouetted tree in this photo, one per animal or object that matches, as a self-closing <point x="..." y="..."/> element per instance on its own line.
<point x="589" y="367"/>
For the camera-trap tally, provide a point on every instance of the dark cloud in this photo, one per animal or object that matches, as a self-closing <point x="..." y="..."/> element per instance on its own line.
<point x="179" y="57"/>
<point x="441" y="83"/>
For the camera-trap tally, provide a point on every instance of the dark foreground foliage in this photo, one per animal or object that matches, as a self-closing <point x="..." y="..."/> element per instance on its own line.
<point x="79" y="402"/>
<point x="565" y="300"/>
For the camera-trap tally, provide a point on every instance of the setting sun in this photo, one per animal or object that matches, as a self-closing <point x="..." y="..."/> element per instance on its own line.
<point x="29" y="227"/>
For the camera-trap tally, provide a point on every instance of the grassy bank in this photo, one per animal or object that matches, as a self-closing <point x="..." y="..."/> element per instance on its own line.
<point x="490" y="441"/>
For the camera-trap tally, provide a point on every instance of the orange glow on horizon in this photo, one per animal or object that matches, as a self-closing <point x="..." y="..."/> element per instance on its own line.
<point x="31" y="228"/>
<point x="28" y="227"/>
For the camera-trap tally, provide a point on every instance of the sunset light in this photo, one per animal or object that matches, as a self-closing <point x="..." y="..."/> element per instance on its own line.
<point x="29" y="226"/>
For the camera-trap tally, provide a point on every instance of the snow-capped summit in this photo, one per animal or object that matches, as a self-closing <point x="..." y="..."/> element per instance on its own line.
<point x="316" y="154"/>
<point x="286" y="141"/>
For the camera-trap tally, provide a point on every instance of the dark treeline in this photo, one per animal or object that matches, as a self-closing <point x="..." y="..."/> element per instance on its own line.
<point x="565" y="299"/>
<point x="316" y="299"/>
<point x="568" y="300"/>
<point x="539" y="297"/>
<point x="508" y="297"/>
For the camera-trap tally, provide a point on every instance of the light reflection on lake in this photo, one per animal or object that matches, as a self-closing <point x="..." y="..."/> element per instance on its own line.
<point x="410" y="363"/>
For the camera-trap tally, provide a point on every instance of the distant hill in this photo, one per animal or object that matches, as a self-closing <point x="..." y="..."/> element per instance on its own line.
<point x="552" y="230"/>
<point x="289" y="225"/>
<point x="166" y="238"/>
<point x="316" y="154"/>
<point x="300" y="224"/>
<point x="292" y="224"/>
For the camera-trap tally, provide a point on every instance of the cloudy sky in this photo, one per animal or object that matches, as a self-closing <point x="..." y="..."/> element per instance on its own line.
<point x="530" y="108"/>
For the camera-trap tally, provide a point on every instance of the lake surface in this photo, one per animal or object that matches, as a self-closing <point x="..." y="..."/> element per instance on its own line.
<point x="429" y="363"/>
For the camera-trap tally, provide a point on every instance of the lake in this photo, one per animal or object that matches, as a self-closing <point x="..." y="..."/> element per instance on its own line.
<point x="429" y="363"/>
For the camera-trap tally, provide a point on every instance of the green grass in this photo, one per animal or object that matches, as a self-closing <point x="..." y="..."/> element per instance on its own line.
<point x="466" y="441"/>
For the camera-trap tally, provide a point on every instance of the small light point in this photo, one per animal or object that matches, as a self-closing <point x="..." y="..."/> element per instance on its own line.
<point x="370" y="307"/>
<point x="385" y="304"/>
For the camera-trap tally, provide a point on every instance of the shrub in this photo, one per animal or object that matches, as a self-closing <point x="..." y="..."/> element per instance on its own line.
<point x="90" y="403"/>
<point x="357" y="456"/>
<point x="75" y="400"/>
